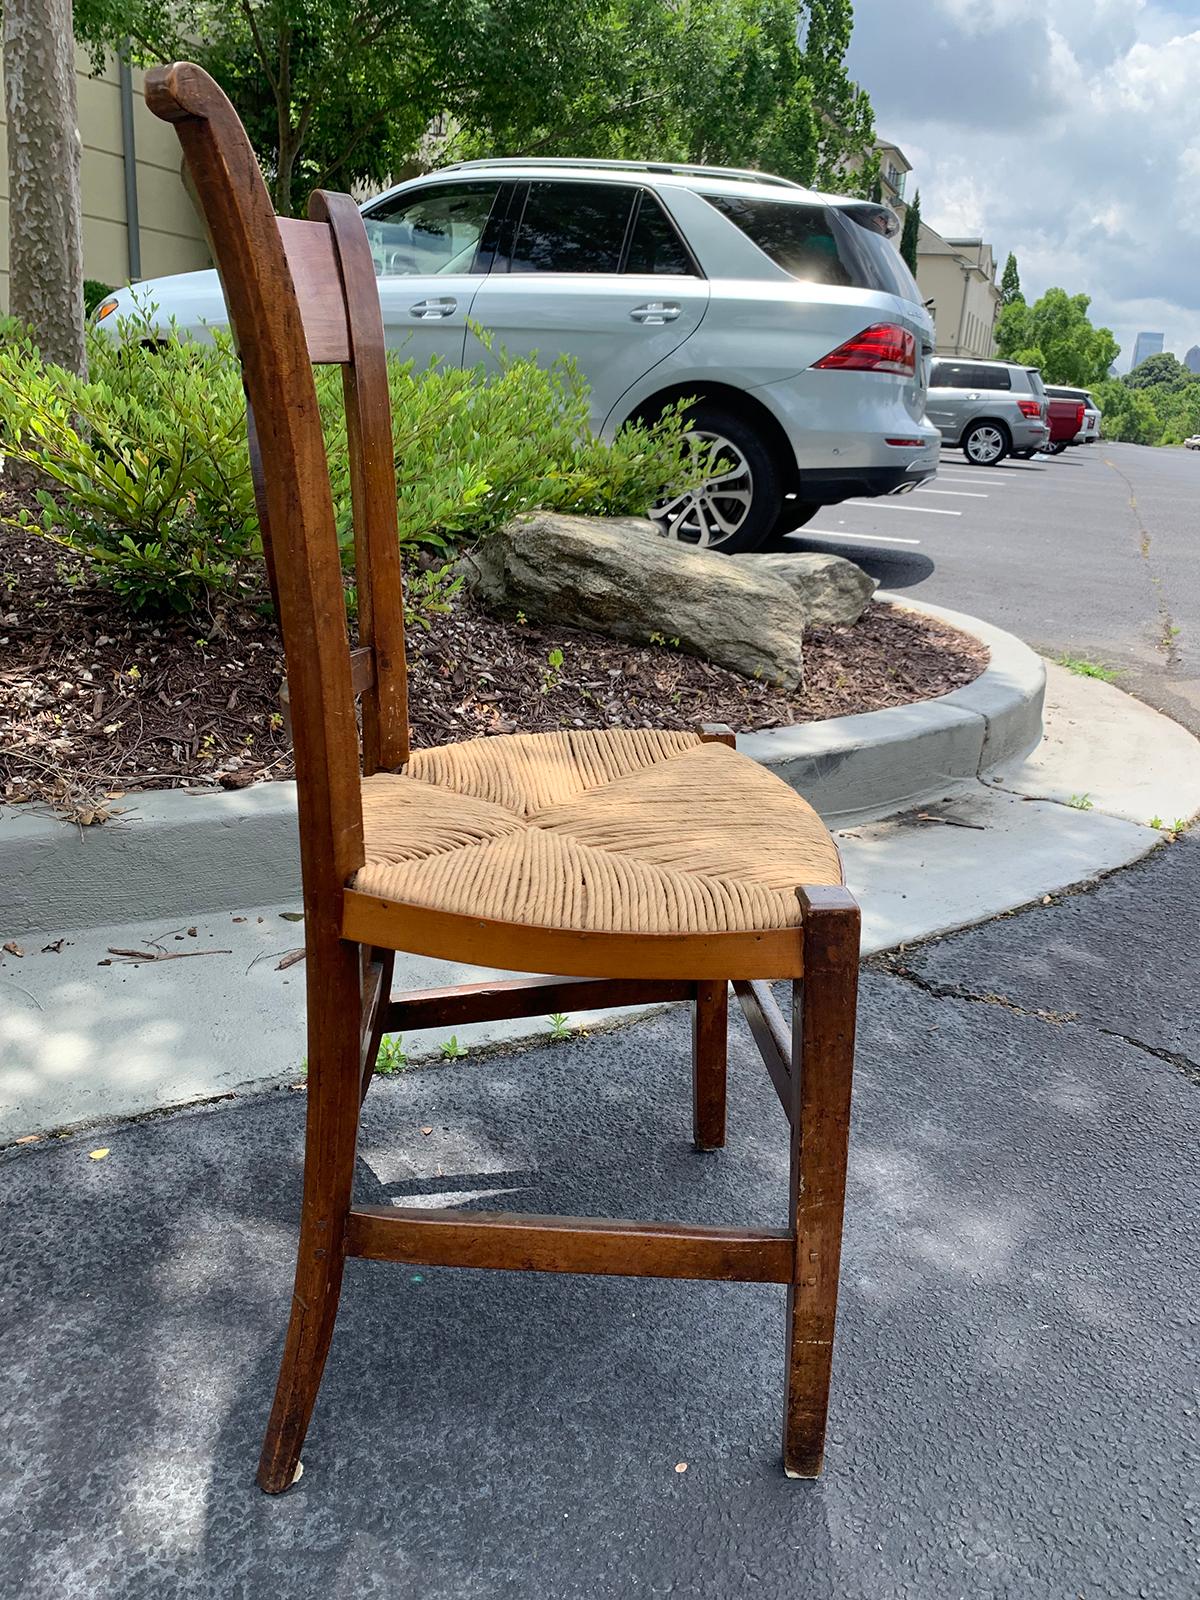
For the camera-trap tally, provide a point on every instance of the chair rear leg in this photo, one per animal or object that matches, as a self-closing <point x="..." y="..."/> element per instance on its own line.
<point x="710" y="1039"/>
<point x="332" y="1128"/>
<point x="823" y="1019"/>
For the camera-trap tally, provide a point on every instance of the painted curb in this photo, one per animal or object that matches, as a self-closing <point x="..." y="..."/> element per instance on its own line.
<point x="172" y="853"/>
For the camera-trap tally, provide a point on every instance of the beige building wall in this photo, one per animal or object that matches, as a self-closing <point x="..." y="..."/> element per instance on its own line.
<point x="959" y="276"/>
<point x="168" y="229"/>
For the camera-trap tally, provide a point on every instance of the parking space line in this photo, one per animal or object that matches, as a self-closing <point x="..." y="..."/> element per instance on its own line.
<point x="945" y="478"/>
<point x="885" y="502"/>
<point x="863" y="538"/>
<point x="958" y="494"/>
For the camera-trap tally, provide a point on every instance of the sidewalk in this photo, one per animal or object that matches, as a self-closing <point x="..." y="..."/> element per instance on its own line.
<point x="86" y="1035"/>
<point x="1012" y="1416"/>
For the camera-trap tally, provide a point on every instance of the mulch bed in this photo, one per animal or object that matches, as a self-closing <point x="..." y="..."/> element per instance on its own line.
<point x="94" y="703"/>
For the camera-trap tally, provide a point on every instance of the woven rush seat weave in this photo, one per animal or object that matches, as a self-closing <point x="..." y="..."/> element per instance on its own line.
<point x="615" y="831"/>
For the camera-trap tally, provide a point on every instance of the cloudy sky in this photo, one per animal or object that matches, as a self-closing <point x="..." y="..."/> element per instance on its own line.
<point x="1066" y="130"/>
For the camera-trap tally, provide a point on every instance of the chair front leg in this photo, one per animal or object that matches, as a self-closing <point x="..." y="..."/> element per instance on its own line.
<point x="823" y="1018"/>
<point x="710" y="1046"/>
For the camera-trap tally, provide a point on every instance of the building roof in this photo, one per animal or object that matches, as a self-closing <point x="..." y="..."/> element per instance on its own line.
<point x="902" y="160"/>
<point x="930" y="243"/>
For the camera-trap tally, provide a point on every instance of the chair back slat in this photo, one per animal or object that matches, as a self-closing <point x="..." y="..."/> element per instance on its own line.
<point x="318" y="283"/>
<point x="372" y="484"/>
<point x="300" y="292"/>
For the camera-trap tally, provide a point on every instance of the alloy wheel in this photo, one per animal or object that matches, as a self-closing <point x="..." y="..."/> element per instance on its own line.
<point x="712" y="513"/>
<point x="985" y="445"/>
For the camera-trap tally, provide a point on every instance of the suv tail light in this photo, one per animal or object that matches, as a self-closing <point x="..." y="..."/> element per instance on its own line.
<point x="1079" y="417"/>
<point x="1030" y="408"/>
<point x="883" y="347"/>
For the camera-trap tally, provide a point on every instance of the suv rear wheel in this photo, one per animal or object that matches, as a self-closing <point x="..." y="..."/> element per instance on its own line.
<point x="986" y="443"/>
<point x="738" y="505"/>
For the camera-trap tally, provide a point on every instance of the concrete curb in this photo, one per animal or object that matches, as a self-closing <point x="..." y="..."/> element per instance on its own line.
<point x="854" y="769"/>
<point x="170" y="853"/>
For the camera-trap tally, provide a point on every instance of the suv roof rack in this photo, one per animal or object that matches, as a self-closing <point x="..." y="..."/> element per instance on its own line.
<point x="676" y="168"/>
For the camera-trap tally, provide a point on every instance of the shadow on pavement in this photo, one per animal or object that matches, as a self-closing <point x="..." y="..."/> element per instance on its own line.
<point x="893" y="569"/>
<point x="487" y="1435"/>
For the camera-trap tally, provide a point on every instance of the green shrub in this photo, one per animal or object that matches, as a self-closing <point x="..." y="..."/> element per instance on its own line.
<point x="148" y="460"/>
<point x="151" y="477"/>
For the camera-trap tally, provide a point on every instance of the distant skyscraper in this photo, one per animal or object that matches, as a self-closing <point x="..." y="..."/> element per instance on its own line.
<point x="1146" y="344"/>
<point x="1192" y="360"/>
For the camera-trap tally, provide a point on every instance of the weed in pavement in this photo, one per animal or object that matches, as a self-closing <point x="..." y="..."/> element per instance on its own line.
<point x="1088" y="669"/>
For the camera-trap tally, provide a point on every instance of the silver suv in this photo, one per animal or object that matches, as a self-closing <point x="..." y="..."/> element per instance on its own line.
<point x="787" y="316"/>
<point x="989" y="409"/>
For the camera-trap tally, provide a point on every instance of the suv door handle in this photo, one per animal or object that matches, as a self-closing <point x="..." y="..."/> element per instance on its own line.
<point x="655" y="312"/>
<point x="426" y="310"/>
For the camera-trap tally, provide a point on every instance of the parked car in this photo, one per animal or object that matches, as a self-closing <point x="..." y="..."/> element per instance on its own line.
<point x="1089" y="432"/>
<point x="788" y="316"/>
<point x="988" y="409"/>
<point x="1193" y="443"/>
<point x="1066" y="421"/>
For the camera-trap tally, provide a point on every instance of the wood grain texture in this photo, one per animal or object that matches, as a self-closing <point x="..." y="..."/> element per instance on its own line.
<point x="710" y="1047"/>
<point x="822" y="1070"/>
<point x="318" y="285"/>
<point x="362" y="669"/>
<point x="771" y="1034"/>
<point x="518" y="947"/>
<point x="300" y="292"/>
<point x="300" y="530"/>
<point x="371" y="449"/>
<point x="377" y="967"/>
<point x="436" y="1238"/>
<point x="525" y="997"/>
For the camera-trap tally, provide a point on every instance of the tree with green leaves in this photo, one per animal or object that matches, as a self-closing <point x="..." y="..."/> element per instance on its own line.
<point x="1127" y="414"/>
<point x="332" y="92"/>
<point x="1056" y="334"/>
<point x="845" y="120"/>
<point x="1010" y="282"/>
<point x="342" y="93"/>
<point x="910" y="236"/>
<point x="1162" y="372"/>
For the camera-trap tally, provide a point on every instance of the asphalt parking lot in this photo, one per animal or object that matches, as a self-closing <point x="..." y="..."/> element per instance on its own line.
<point x="1090" y="554"/>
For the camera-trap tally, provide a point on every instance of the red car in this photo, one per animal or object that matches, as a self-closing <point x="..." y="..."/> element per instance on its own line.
<point x="1065" y="420"/>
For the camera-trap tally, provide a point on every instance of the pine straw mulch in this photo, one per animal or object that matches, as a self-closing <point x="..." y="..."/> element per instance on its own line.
<point x="94" y="703"/>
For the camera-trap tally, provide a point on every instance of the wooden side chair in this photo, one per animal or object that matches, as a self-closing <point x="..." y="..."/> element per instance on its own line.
<point x="635" y="865"/>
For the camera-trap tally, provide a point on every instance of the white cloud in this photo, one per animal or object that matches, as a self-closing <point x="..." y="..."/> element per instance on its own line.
<point x="1069" y="133"/>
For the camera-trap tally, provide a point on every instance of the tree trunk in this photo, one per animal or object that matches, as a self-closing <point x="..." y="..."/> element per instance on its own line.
<point x="45" y="226"/>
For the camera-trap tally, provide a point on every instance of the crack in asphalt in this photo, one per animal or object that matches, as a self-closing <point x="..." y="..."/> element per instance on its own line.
<point x="952" y="991"/>
<point x="1169" y="628"/>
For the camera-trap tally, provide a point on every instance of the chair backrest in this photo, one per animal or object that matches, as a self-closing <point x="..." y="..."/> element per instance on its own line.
<point x="298" y="293"/>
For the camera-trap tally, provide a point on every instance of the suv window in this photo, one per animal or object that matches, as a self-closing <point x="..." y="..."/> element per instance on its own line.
<point x="1036" y="386"/>
<point x="798" y="238"/>
<point x="968" y="375"/>
<point x="654" y="245"/>
<point x="431" y="231"/>
<point x="820" y="244"/>
<point x="1060" y="393"/>
<point x="572" y="227"/>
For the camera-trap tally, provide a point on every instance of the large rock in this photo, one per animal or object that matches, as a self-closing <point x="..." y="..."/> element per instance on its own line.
<point x="619" y="577"/>
<point x="831" y="590"/>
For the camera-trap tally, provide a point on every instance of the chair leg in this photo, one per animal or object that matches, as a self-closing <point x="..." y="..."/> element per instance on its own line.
<point x="710" y="1038"/>
<point x="822" y="1064"/>
<point x="332" y="1128"/>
